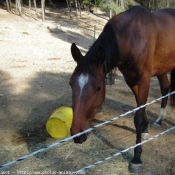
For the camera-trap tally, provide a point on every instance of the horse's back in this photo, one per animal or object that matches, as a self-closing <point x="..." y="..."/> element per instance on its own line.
<point x="167" y="11"/>
<point x="148" y="37"/>
<point x="164" y="19"/>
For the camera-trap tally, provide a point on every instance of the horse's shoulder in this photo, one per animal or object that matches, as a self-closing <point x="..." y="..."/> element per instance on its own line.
<point x="137" y="11"/>
<point x="132" y="15"/>
<point x="137" y="8"/>
<point x="132" y="19"/>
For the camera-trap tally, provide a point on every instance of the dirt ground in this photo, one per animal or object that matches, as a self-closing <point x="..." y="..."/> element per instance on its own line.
<point x="36" y="65"/>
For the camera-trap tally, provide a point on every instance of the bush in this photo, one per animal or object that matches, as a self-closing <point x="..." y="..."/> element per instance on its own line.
<point x="107" y="5"/>
<point x="95" y="2"/>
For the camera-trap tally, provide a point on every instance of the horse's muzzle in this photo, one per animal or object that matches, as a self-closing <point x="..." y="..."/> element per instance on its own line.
<point x="80" y="139"/>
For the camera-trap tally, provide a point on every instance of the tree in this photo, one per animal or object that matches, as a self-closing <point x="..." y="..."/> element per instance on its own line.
<point x="156" y="4"/>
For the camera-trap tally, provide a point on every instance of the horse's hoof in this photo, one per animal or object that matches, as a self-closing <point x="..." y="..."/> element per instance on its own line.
<point x="145" y="136"/>
<point x="135" y="168"/>
<point x="155" y="125"/>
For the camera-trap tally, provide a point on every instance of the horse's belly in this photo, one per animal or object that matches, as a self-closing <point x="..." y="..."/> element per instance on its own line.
<point x="163" y="64"/>
<point x="164" y="57"/>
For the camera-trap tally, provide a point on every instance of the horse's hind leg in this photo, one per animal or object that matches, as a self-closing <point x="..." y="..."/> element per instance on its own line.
<point x="164" y="86"/>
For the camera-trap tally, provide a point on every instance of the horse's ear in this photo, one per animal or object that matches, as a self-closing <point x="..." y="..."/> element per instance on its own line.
<point x="76" y="54"/>
<point x="100" y="55"/>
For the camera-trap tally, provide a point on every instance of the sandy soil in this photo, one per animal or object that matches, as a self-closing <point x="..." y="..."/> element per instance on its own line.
<point x="36" y="65"/>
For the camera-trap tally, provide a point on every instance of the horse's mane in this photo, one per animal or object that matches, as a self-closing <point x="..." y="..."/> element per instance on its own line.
<point x="107" y="41"/>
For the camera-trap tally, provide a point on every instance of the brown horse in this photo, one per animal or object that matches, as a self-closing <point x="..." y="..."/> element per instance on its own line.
<point x="141" y="44"/>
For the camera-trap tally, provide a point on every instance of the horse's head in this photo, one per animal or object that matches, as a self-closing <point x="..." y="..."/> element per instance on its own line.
<point x="88" y="89"/>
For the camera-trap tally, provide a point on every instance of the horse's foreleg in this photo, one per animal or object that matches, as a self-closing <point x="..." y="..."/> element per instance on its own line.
<point x="141" y="123"/>
<point x="164" y="86"/>
<point x="145" y="134"/>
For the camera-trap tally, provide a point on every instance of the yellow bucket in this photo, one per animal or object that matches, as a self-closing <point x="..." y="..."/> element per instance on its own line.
<point x="59" y="124"/>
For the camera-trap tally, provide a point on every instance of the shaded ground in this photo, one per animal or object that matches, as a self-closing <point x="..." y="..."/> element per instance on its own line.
<point x="36" y="65"/>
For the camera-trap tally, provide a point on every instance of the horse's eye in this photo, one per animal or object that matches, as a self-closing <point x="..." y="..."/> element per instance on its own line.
<point x="99" y="88"/>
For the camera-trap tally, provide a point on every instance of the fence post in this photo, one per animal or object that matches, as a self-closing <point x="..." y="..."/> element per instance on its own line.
<point x="94" y="32"/>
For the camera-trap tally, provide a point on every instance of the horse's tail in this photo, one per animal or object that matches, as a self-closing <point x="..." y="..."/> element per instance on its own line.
<point x="172" y="87"/>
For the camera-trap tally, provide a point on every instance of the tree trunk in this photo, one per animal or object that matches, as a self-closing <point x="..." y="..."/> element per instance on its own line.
<point x="149" y="5"/>
<point x="156" y="4"/>
<point x="117" y="2"/>
<point x="122" y="4"/>
<point x="29" y="4"/>
<point x="43" y="9"/>
<point x="167" y="3"/>
<point x="34" y="2"/>
<point x="69" y="7"/>
<point x="18" y="6"/>
<point x="79" y="6"/>
<point x="76" y="6"/>
<point x="8" y="5"/>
